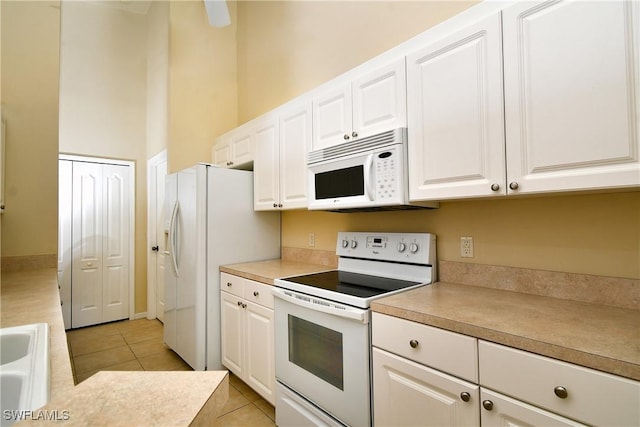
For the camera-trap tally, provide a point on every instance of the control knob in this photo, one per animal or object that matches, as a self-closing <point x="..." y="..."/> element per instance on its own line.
<point x="402" y="247"/>
<point x="413" y="248"/>
<point x="345" y="243"/>
<point x="354" y="244"/>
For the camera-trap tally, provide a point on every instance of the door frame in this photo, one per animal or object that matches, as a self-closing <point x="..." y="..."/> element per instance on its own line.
<point x="132" y="214"/>
<point x="152" y="238"/>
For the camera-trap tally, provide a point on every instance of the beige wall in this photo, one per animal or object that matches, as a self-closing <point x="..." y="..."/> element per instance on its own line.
<point x="202" y="83"/>
<point x="157" y="77"/>
<point x="103" y="100"/>
<point x="287" y="48"/>
<point x="30" y="51"/>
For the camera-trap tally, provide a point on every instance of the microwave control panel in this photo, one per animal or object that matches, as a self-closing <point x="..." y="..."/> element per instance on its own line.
<point x="388" y="180"/>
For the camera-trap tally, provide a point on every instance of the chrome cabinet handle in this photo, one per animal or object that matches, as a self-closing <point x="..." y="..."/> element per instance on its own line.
<point x="256" y="293"/>
<point x="465" y="396"/>
<point x="513" y="185"/>
<point x="561" y="392"/>
<point x="487" y="404"/>
<point x="495" y="187"/>
<point x="414" y="343"/>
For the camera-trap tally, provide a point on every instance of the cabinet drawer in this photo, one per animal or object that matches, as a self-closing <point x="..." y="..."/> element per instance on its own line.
<point x="592" y="397"/>
<point x="443" y="350"/>
<point x="258" y="293"/>
<point x="232" y="284"/>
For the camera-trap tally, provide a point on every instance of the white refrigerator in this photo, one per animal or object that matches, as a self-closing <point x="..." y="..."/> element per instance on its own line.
<point x="209" y="222"/>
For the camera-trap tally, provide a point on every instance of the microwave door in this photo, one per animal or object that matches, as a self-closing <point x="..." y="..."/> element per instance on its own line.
<point x="342" y="183"/>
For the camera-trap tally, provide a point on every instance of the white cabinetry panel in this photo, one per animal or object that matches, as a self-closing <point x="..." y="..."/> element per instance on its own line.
<point x="455" y="115"/>
<point x="571" y="93"/>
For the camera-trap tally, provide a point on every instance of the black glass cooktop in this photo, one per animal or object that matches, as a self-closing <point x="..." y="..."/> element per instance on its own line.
<point x="354" y="284"/>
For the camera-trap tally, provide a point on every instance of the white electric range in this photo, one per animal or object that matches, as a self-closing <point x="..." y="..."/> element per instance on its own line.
<point x="322" y="327"/>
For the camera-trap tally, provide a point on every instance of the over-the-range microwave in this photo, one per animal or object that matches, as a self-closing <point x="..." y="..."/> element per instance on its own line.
<point x="362" y="174"/>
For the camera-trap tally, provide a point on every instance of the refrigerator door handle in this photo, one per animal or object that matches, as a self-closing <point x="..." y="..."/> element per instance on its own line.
<point x="172" y="238"/>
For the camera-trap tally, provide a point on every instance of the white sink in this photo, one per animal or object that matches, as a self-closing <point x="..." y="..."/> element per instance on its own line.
<point x="24" y="369"/>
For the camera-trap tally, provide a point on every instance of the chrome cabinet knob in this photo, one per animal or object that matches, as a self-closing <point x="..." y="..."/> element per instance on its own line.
<point x="495" y="187"/>
<point x="239" y="303"/>
<point x="561" y="392"/>
<point x="244" y="305"/>
<point x="279" y="205"/>
<point x="256" y="293"/>
<point x="487" y="404"/>
<point x="513" y="185"/>
<point x="465" y="396"/>
<point x="229" y="284"/>
<point x="275" y="205"/>
<point x="346" y="137"/>
<point x="414" y="343"/>
<point x="354" y="134"/>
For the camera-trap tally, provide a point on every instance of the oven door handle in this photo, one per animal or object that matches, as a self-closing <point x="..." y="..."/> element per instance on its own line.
<point x="335" y="309"/>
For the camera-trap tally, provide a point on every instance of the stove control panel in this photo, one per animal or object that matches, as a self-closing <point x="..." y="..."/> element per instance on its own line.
<point x="418" y="248"/>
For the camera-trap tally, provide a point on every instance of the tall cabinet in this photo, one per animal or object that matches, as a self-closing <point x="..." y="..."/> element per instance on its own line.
<point x="95" y="235"/>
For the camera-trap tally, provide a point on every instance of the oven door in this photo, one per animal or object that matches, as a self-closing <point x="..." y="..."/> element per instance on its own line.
<point x="345" y="182"/>
<point x="323" y="353"/>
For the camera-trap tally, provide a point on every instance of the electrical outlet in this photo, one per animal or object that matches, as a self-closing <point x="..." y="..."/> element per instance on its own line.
<point x="312" y="239"/>
<point x="466" y="247"/>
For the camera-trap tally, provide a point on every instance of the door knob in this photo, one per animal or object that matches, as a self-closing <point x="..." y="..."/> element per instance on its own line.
<point x="155" y="248"/>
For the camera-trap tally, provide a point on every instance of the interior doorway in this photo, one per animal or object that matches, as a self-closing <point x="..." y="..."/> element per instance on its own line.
<point x="96" y="229"/>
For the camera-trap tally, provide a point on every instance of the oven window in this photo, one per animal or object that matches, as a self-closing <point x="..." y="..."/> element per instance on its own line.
<point x="340" y="183"/>
<point x="317" y="350"/>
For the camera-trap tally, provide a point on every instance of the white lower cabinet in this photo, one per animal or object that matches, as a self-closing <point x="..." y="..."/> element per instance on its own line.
<point x="413" y="384"/>
<point x="248" y="334"/>
<point x="407" y="393"/>
<point x="500" y="410"/>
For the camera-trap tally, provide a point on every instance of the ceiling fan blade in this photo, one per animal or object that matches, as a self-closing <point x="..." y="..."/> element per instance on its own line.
<point x="217" y="12"/>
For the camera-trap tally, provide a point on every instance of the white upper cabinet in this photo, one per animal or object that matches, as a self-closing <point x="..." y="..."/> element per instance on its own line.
<point x="266" y="167"/>
<point x="280" y="169"/>
<point x="295" y="143"/>
<point x="373" y="103"/>
<point x="234" y="149"/>
<point x="455" y="115"/>
<point x="571" y="92"/>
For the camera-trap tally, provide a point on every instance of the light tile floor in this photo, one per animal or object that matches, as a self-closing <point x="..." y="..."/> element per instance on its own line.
<point x="137" y="345"/>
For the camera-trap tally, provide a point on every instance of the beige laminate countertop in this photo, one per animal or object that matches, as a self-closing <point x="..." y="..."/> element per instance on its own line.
<point x="106" y="398"/>
<point x="267" y="271"/>
<point x="595" y="336"/>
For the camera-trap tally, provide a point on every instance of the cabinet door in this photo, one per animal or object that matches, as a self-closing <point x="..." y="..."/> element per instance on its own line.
<point x="332" y="117"/>
<point x="571" y="95"/>
<point x="504" y="411"/>
<point x="266" y="166"/>
<point x="241" y="148"/>
<point x="380" y="100"/>
<point x="295" y="142"/>
<point x="231" y="323"/>
<point x="260" y="364"/>
<point x="221" y="152"/>
<point x="455" y="115"/>
<point x="406" y="393"/>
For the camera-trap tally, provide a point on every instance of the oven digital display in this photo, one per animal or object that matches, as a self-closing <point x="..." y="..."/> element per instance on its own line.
<point x="316" y="349"/>
<point x="376" y="242"/>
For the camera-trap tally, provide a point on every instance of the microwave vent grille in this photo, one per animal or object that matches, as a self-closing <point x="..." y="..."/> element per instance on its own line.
<point x="392" y="137"/>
